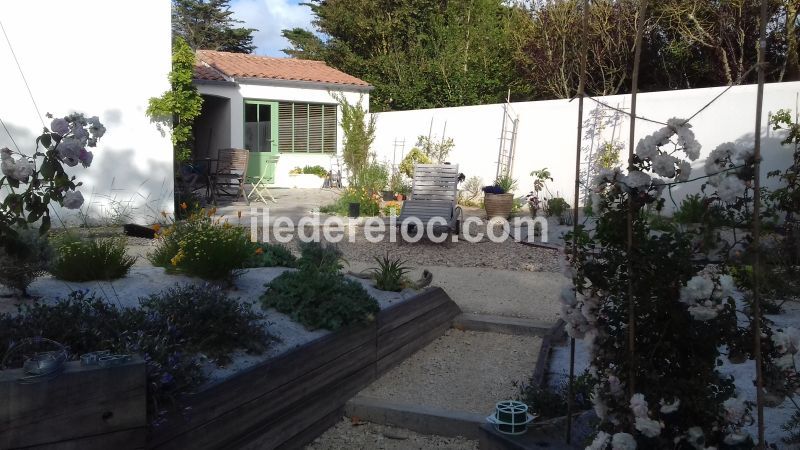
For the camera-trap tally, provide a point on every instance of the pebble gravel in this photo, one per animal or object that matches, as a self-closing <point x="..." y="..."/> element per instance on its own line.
<point x="352" y="434"/>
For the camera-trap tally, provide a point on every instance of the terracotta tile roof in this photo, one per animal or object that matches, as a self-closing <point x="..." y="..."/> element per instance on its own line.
<point x="240" y="65"/>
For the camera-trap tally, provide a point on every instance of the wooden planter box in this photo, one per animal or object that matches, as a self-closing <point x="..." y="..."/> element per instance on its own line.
<point x="291" y="399"/>
<point x="84" y="407"/>
<point x="498" y="205"/>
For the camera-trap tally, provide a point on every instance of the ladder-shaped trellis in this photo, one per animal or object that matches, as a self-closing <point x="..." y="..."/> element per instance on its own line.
<point x="508" y="139"/>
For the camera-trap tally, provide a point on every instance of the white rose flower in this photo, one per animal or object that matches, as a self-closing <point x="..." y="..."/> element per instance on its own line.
<point x="735" y="409"/>
<point x="717" y="160"/>
<point x="639" y="405"/>
<point x="736" y="437"/>
<point x="698" y="287"/>
<point x="648" y="427"/>
<point x="787" y="341"/>
<point x="59" y="126"/>
<point x="636" y="179"/>
<point x="647" y="148"/>
<point x="730" y="189"/>
<point x="726" y="285"/>
<point x="23" y="169"/>
<point x="669" y="408"/>
<point x="664" y="165"/>
<point x="703" y="313"/>
<point x="69" y="151"/>
<point x="600" y="441"/>
<point x="685" y="170"/>
<point x="73" y="200"/>
<point x="696" y="437"/>
<point x="623" y="441"/>
<point x="600" y="408"/>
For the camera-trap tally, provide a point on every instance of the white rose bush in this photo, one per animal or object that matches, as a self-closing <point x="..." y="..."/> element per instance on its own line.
<point x="667" y="392"/>
<point x="31" y="183"/>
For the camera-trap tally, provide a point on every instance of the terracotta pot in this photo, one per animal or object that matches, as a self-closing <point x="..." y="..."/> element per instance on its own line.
<point x="498" y="205"/>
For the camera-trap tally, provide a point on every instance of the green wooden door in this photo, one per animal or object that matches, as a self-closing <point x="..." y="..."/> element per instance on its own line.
<point x="261" y="138"/>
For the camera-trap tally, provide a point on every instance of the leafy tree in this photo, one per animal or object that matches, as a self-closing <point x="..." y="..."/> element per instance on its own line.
<point x="177" y="108"/>
<point x="209" y="24"/>
<point x="418" y="53"/>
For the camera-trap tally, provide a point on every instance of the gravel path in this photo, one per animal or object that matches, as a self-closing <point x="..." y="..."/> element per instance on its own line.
<point x="461" y="371"/>
<point x="369" y="436"/>
<point x="511" y="293"/>
<point x="508" y="255"/>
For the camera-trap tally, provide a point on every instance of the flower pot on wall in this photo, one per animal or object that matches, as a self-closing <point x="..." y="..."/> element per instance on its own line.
<point x="387" y="196"/>
<point x="498" y="205"/>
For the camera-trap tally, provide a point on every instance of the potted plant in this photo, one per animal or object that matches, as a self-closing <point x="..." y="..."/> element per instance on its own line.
<point x="498" y="199"/>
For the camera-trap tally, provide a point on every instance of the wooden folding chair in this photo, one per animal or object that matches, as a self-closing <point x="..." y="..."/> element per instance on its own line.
<point x="229" y="177"/>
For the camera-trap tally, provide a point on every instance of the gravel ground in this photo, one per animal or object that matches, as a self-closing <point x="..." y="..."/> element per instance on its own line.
<point x="511" y="293"/>
<point x="508" y="255"/>
<point x="369" y="436"/>
<point x="447" y="374"/>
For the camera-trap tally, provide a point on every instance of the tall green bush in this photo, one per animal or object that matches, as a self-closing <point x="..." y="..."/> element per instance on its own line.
<point x="359" y="134"/>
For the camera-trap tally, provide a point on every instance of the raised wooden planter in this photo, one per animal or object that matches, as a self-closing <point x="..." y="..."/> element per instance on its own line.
<point x="81" y="408"/>
<point x="289" y="400"/>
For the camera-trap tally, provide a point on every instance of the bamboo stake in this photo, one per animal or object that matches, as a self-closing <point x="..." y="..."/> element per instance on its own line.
<point x="762" y="47"/>
<point x="631" y="307"/>
<point x="576" y="199"/>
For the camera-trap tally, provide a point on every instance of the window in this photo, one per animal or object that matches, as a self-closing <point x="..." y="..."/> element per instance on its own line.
<point x="306" y="128"/>
<point x="258" y="127"/>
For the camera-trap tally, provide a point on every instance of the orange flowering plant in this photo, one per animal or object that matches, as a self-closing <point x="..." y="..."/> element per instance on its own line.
<point x="203" y="246"/>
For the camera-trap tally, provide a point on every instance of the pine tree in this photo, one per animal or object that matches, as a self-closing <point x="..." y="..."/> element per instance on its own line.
<point x="210" y="25"/>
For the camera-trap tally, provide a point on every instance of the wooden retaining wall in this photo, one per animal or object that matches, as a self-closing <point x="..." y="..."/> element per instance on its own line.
<point x="287" y="401"/>
<point x="83" y="407"/>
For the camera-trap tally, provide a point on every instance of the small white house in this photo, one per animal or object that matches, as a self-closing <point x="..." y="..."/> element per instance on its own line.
<point x="277" y="108"/>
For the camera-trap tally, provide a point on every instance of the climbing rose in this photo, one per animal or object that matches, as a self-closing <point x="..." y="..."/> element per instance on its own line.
<point x="623" y="441"/>
<point x="73" y="200"/>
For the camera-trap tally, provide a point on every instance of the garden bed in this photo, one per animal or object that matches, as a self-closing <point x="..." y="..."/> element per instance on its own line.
<point x="298" y="386"/>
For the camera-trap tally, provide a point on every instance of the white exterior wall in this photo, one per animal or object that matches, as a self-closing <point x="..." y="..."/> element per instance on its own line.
<point x="93" y="56"/>
<point x="547" y="131"/>
<point x="312" y="94"/>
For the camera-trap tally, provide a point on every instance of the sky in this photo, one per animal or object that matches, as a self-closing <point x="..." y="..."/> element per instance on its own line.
<point x="270" y="17"/>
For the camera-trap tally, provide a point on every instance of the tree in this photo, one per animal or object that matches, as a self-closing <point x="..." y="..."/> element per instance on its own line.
<point x="177" y="108"/>
<point x="209" y="25"/>
<point x="418" y="53"/>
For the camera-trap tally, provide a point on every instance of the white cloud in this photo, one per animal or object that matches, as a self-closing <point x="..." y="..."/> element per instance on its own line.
<point x="270" y="17"/>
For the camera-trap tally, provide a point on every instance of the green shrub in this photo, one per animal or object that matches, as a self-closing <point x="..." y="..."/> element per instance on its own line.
<point x="692" y="210"/>
<point x="203" y="247"/>
<point x="549" y="403"/>
<point x="318" y="295"/>
<point x="311" y="170"/>
<point x="369" y="203"/>
<point x="374" y="177"/>
<point x="316" y="257"/>
<point x="390" y="275"/>
<point x="557" y="206"/>
<point x="271" y="255"/>
<point x="413" y="157"/>
<point x="209" y="321"/>
<point x="25" y="256"/>
<point x="90" y="259"/>
<point x="172" y="331"/>
<point x="506" y="183"/>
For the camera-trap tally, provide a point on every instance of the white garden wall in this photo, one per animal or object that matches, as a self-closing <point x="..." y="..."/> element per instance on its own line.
<point x="101" y="58"/>
<point x="547" y="131"/>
